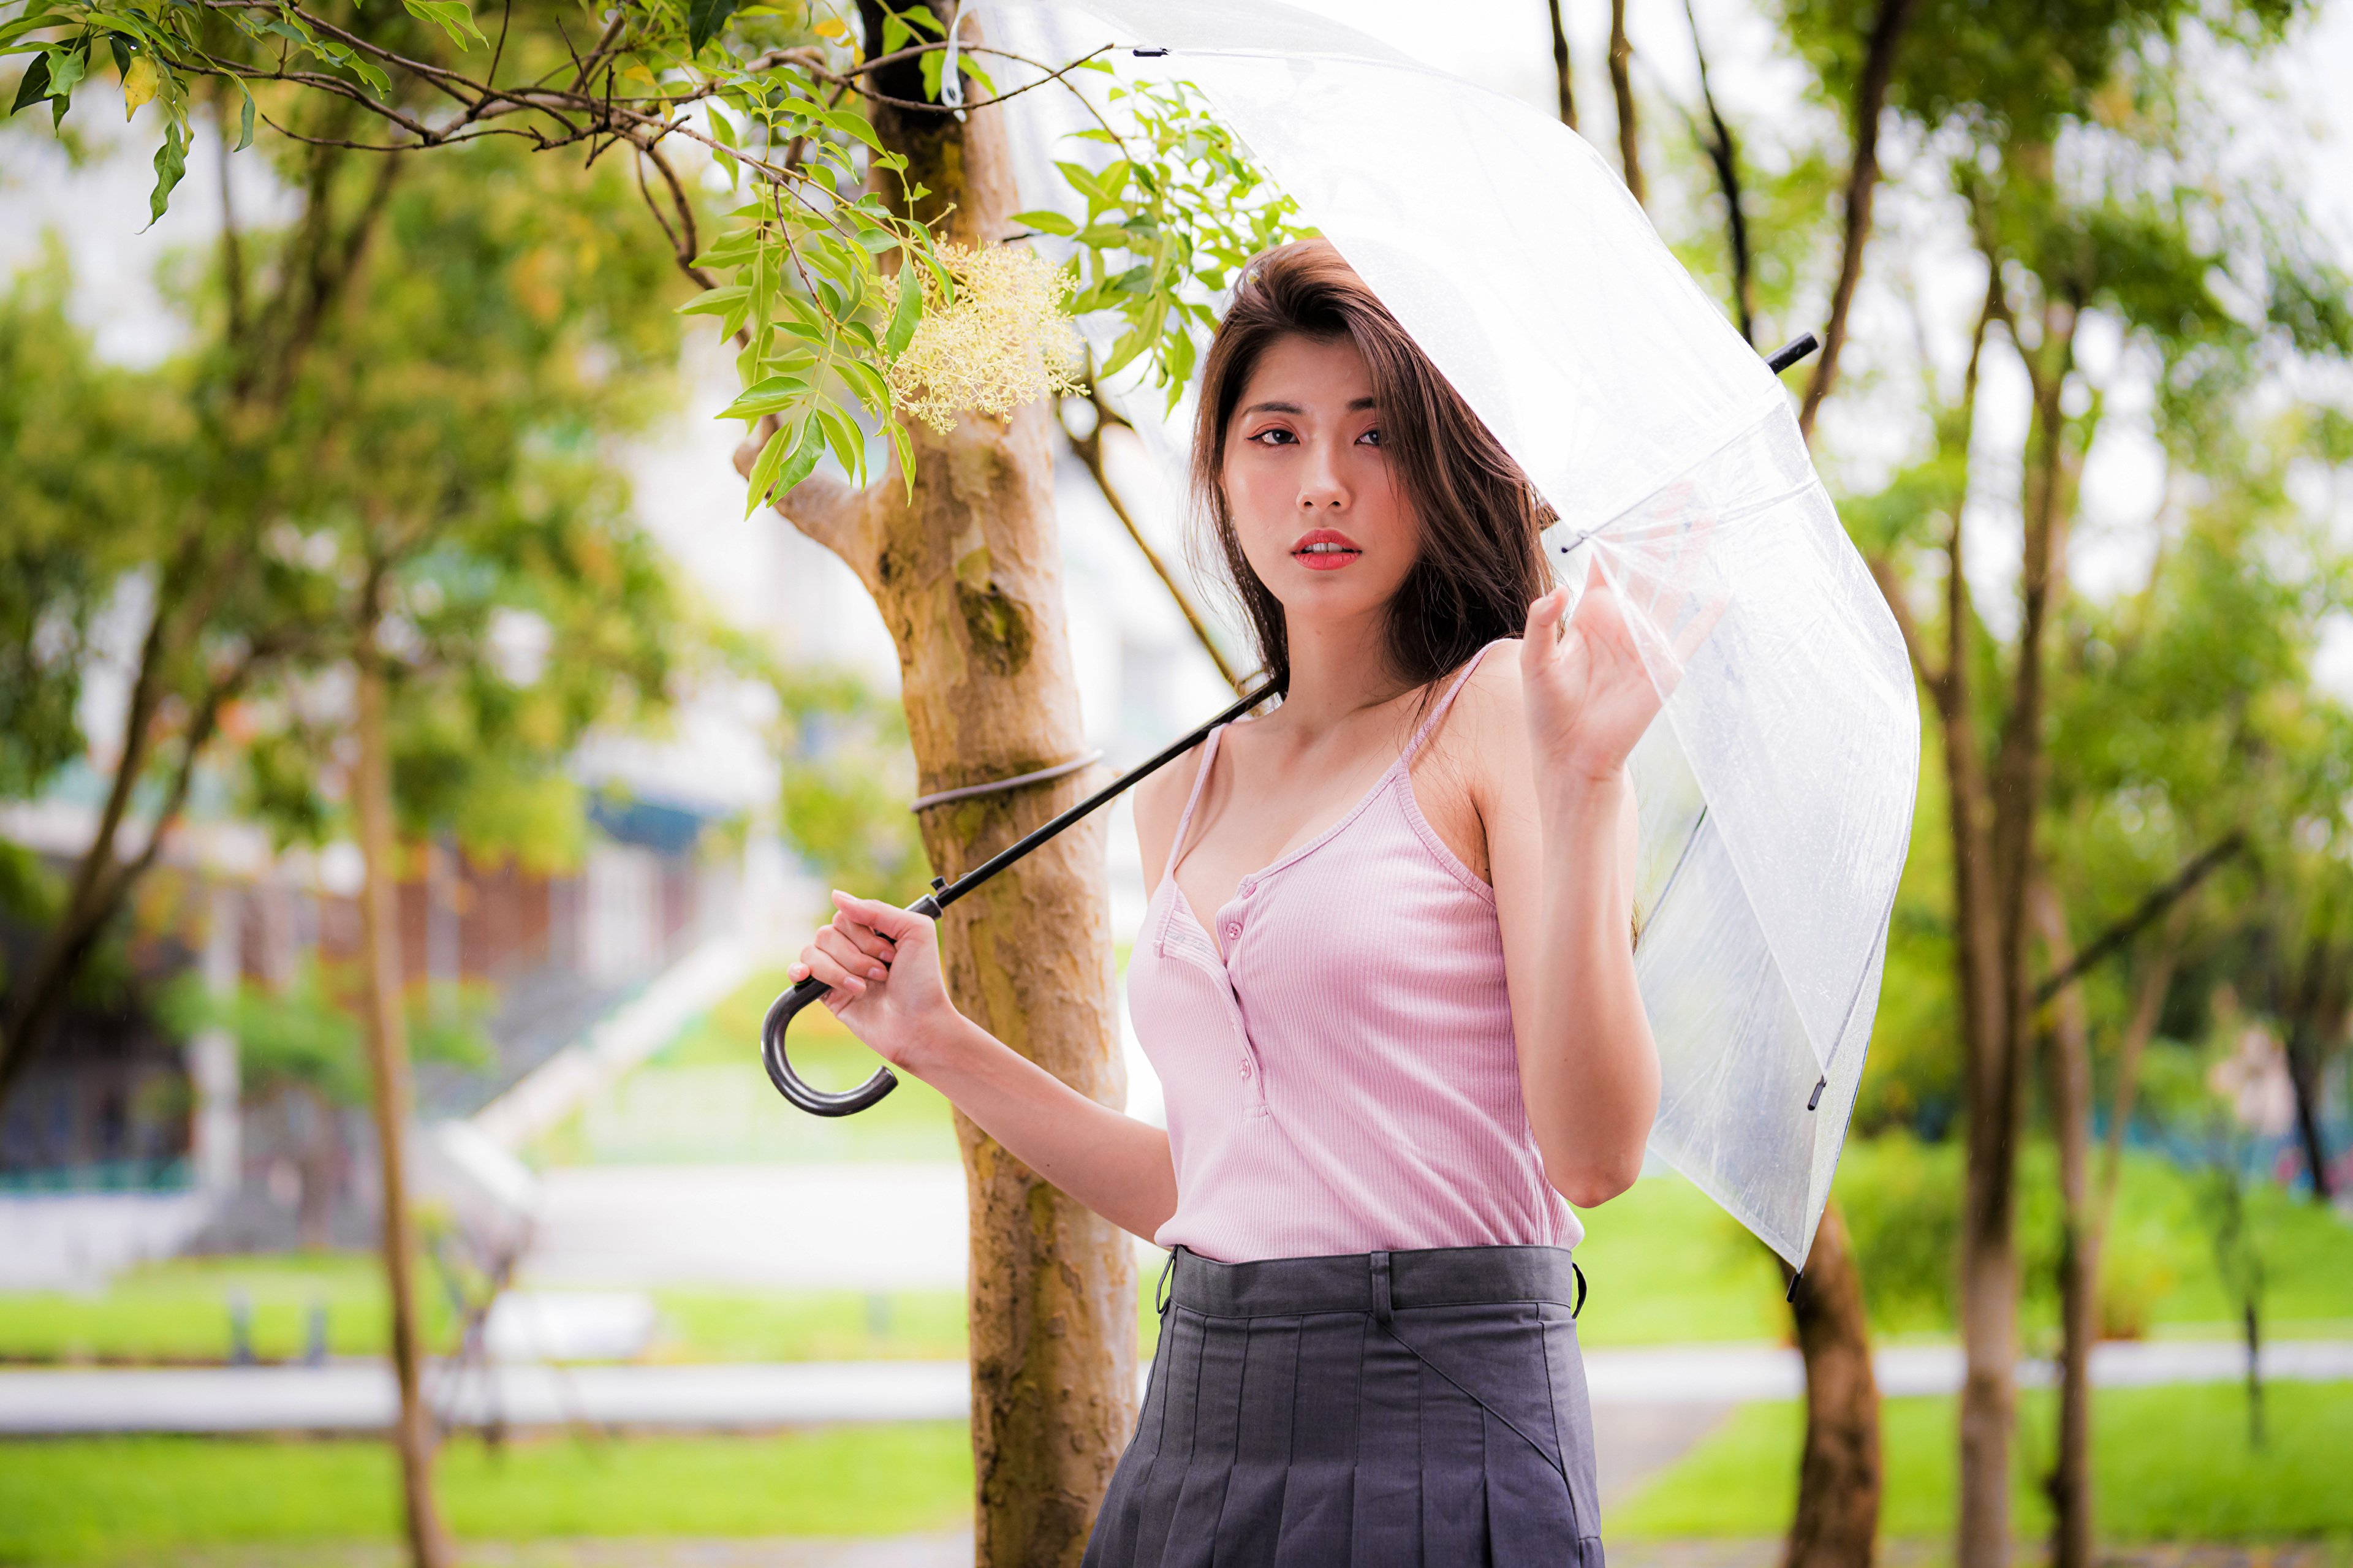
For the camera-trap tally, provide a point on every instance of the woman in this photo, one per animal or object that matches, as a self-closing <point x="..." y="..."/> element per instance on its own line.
<point x="1385" y="976"/>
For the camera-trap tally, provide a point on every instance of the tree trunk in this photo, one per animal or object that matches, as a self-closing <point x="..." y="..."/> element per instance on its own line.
<point x="1837" y="1518"/>
<point x="967" y="574"/>
<point x="389" y="1067"/>
<point x="1862" y="181"/>
<point x="1560" y="65"/>
<point x="2069" y="1061"/>
<point x="1621" y="88"/>
<point x="2316" y="1012"/>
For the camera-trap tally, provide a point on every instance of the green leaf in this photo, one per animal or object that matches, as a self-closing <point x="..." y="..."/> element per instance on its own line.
<point x="850" y="123"/>
<point x="1177" y="354"/>
<point x="772" y="395"/>
<point x="12" y="31"/>
<point x="905" y="316"/>
<point x="35" y="85"/>
<point x="244" y="119"/>
<point x="171" y="163"/>
<point x="847" y="441"/>
<point x="1048" y="223"/>
<point x="451" y="16"/>
<point x="902" y="449"/>
<point x="705" y="18"/>
<point x="1132" y="343"/>
<point x="863" y="379"/>
<point x="1105" y="236"/>
<point x="810" y="447"/>
<point x="764" y="471"/>
<point x="713" y="302"/>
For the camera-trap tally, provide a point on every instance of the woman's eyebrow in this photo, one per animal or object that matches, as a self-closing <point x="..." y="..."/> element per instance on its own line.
<point x="1358" y="406"/>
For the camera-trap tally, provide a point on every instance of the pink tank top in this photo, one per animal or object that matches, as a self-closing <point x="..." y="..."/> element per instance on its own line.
<point x="1345" y="1079"/>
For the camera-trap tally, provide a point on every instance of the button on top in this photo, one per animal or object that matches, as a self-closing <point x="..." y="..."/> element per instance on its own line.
<point x="1246" y="1070"/>
<point x="1233" y="928"/>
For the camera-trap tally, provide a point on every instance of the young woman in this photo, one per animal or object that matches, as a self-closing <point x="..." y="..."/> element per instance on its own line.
<point x="1385" y="976"/>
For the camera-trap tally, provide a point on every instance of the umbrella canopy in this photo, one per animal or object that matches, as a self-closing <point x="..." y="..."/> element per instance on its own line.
<point x="1777" y="785"/>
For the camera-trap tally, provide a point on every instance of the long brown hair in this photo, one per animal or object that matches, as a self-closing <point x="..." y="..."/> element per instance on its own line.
<point x="1480" y="565"/>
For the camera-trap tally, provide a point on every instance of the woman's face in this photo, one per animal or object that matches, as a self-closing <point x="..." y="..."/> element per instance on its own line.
<point x="1319" y="515"/>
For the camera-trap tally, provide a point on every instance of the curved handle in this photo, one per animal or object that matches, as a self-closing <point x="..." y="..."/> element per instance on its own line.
<point x="818" y="1101"/>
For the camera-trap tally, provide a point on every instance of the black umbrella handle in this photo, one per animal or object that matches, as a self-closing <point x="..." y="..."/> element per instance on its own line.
<point x="817" y="1101"/>
<point x="790" y="1084"/>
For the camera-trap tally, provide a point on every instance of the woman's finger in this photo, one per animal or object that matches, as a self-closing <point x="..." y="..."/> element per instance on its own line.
<point x="855" y="959"/>
<point x="826" y="970"/>
<point x="896" y="924"/>
<point x="865" y="938"/>
<point x="1544" y="628"/>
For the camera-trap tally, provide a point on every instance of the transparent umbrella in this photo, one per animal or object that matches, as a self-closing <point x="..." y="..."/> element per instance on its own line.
<point x="1777" y="785"/>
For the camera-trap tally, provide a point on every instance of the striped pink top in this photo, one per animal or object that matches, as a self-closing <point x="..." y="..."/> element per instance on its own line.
<point x="1344" y="1080"/>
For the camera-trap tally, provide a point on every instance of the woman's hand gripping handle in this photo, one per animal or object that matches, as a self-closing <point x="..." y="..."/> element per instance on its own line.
<point x="878" y="968"/>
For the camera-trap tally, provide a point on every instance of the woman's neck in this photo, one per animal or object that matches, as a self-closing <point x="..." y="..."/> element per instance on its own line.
<point x="1337" y="671"/>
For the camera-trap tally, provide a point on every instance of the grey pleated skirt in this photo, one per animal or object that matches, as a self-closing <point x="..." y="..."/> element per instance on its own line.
<point x="1384" y="1408"/>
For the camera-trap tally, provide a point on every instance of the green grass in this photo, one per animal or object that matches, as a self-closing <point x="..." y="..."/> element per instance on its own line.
<point x="704" y="1097"/>
<point x="1665" y="1265"/>
<point x="179" y="1312"/>
<point x="101" y="1500"/>
<point x="2168" y="1464"/>
<point x="812" y="1325"/>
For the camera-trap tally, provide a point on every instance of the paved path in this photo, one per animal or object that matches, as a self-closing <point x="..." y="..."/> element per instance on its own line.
<point x="358" y="1395"/>
<point x="865" y="1227"/>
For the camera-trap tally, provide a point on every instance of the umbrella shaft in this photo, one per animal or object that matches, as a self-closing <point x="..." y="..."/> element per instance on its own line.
<point x="945" y="893"/>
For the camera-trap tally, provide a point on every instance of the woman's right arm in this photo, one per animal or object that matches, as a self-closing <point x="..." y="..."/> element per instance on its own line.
<point x="883" y="965"/>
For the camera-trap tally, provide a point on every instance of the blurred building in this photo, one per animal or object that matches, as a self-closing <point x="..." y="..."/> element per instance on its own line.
<point x="123" y="1141"/>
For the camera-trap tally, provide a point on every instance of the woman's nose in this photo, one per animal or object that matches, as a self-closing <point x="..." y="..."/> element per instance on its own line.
<point x="1320" y="483"/>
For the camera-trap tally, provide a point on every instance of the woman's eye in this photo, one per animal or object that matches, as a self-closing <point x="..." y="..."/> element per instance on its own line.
<point x="1273" y="437"/>
<point x="1369" y="438"/>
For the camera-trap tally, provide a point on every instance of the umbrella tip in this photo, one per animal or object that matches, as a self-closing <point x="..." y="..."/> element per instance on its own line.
<point x="1815" y="1099"/>
<point x="1790" y="353"/>
<point x="1795" y="1276"/>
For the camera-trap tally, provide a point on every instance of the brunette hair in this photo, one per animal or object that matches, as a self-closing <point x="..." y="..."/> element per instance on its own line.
<point x="1480" y="565"/>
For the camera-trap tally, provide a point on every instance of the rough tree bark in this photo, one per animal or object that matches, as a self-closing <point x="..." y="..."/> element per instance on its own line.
<point x="1862" y="181"/>
<point x="967" y="576"/>
<point x="388" y="1042"/>
<point x="1621" y="88"/>
<point x="1837" y="1519"/>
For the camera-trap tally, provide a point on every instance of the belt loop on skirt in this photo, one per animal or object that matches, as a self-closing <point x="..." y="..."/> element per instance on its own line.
<point x="1573" y="1268"/>
<point x="1383" y="1312"/>
<point x="1161" y="1295"/>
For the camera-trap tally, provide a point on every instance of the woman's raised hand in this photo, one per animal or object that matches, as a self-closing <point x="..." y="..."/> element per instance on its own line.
<point x="1588" y="696"/>
<point x="883" y="965"/>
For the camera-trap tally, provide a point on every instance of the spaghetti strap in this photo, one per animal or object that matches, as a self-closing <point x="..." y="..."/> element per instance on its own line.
<point x="1185" y="823"/>
<point x="1405" y="758"/>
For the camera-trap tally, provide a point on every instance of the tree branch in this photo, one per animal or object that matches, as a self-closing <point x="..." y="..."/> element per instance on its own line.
<point x="2230" y="845"/>
<point x="1725" y="155"/>
<point x="1882" y="571"/>
<point x="1621" y="87"/>
<point x="1090" y="451"/>
<point x="1863" y="180"/>
<point x="1561" y="66"/>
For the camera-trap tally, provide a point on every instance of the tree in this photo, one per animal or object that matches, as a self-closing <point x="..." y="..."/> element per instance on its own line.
<point x="2076" y="161"/>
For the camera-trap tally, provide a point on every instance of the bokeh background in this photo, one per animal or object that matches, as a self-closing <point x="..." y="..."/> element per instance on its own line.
<point x="637" y="734"/>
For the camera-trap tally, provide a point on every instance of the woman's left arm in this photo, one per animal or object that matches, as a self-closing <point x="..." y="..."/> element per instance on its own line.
<point x="1560" y="819"/>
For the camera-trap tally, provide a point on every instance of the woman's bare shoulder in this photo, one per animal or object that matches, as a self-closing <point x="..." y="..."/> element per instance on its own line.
<point x="1489" y="711"/>
<point x="1159" y="801"/>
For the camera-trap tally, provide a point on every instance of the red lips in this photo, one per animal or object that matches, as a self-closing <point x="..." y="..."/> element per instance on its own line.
<point x="1326" y="549"/>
